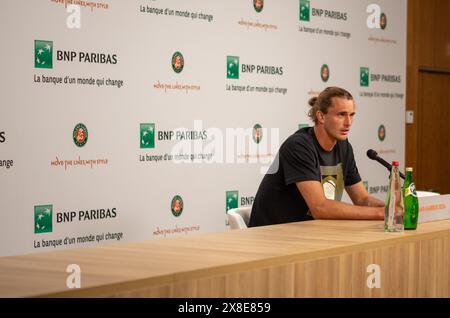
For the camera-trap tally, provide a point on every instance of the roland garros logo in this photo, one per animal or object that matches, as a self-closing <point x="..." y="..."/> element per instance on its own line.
<point x="80" y="135"/>
<point x="177" y="205"/>
<point x="177" y="62"/>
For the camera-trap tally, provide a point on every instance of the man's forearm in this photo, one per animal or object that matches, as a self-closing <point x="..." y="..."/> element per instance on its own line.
<point x="372" y="201"/>
<point x="331" y="209"/>
<point x="369" y="201"/>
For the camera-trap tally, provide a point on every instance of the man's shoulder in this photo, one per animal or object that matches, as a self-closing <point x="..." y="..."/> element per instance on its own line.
<point x="299" y="142"/>
<point x="300" y="137"/>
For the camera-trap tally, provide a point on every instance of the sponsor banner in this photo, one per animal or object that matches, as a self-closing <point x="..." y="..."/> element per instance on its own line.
<point x="183" y="16"/>
<point x="238" y="69"/>
<point x="212" y="145"/>
<point x="259" y="19"/>
<point x="177" y="207"/>
<point x="177" y="63"/>
<point x="47" y="57"/>
<point x="91" y="5"/>
<point x="161" y="110"/>
<point x="80" y="136"/>
<point x="56" y="229"/>
<point x="4" y="163"/>
<point x="378" y="24"/>
<point x="315" y="17"/>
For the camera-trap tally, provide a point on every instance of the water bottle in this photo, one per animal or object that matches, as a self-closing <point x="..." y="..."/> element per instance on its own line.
<point x="393" y="211"/>
<point x="410" y="201"/>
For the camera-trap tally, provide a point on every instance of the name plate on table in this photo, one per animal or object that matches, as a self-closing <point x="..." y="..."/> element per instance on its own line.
<point x="434" y="208"/>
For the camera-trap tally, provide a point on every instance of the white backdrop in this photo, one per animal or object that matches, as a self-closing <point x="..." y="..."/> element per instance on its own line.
<point x="57" y="194"/>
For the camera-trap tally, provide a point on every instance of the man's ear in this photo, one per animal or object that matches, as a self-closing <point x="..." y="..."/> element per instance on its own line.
<point x="320" y="117"/>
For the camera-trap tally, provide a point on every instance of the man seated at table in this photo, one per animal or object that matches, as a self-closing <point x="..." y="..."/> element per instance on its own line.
<point x="312" y="168"/>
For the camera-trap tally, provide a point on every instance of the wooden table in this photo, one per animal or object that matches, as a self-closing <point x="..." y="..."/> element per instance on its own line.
<point x="306" y="259"/>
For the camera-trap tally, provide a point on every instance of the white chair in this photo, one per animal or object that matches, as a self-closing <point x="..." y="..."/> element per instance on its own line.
<point x="238" y="218"/>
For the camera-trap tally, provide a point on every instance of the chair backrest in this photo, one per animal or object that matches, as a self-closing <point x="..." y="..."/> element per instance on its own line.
<point x="238" y="218"/>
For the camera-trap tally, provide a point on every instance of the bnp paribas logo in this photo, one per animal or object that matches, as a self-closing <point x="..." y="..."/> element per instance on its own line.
<point x="232" y="198"/>
<point x="305" y="10"/>
<point x="233" y="67"/>
<point x="177" y="62"/>
<point x="43" y="54"/>
<point x="80" y="135"/>
<point x="177" y="205"/>
<point x="43" y="216"/>
<point x="147" y="136"/>
<point x="364" y="76"/>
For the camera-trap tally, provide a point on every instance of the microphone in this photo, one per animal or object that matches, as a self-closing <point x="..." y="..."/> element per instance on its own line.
<point x="372" y="154"/>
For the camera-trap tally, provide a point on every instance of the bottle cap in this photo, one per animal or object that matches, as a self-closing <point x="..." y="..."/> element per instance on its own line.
<point x="395" y="163"/>
<point x="409" y="169"/>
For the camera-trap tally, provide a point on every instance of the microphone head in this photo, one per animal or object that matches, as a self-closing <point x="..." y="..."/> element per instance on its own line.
<point x="372" y="154"/>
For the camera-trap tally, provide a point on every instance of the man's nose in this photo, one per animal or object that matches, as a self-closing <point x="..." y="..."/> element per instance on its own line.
<point x="348" y="120"/>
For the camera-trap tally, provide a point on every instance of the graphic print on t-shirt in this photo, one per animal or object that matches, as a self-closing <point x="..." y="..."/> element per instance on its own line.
<point x="332" y="181"/>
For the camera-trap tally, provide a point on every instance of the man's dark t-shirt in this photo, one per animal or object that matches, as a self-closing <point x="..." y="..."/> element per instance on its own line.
<point x="301" y="158"/>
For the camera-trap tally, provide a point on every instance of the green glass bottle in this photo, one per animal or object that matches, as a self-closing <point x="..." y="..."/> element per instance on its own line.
<point x="410" y="201"/>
